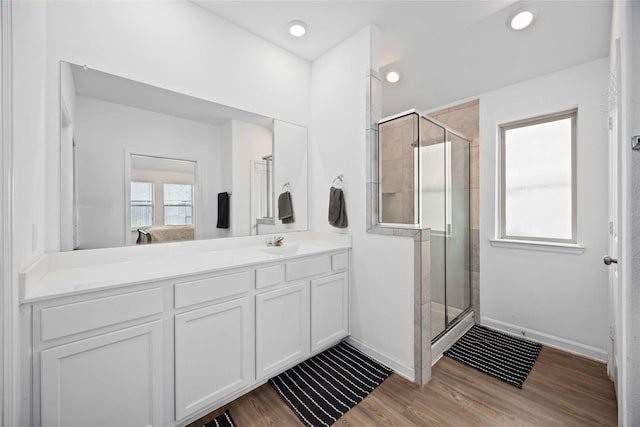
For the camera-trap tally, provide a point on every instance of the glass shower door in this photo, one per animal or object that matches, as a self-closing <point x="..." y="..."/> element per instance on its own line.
<point x="457" y="256"/>
<point x="433" y="213"/>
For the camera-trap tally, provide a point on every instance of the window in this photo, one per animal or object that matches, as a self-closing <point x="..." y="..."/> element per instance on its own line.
<point x="141" y="204"/>
<point x="178" y="204"/>
<point x="538" y="188"/>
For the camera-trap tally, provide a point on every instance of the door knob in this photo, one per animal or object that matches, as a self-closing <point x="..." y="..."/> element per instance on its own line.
<point x="608" y="260"/>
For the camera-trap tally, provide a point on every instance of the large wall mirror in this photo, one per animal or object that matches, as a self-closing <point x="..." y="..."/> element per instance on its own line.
<point x="145" y="165"/>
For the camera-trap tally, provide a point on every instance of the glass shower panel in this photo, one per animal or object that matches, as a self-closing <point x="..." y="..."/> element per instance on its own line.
<point x="458" y="297"/>
<point x="398" y="170"/>
<point x="433" y="215"/>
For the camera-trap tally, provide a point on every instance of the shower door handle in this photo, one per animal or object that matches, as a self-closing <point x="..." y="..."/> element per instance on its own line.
<point x="608" y="260"/>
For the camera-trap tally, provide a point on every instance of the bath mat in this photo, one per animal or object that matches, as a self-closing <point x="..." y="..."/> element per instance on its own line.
<point x="502" y="356"/>
<point x="323" y="388"/>
<point x="223" y="420"/>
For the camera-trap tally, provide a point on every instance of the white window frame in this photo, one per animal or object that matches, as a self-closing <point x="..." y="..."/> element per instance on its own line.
<point x="502" y="235"/>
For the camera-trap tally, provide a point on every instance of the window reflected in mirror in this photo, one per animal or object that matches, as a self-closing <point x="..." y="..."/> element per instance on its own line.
<point x="178" y="204"/>
<point x="141" y="204"/>
<point x="162" y="199"/>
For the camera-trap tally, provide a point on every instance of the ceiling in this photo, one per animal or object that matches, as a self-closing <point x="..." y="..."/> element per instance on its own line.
<point x="444" y="50"/>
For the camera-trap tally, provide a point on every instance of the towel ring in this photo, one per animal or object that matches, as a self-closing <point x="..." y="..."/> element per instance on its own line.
<point x="286" y="186"/>
<point x="338" y="178"/>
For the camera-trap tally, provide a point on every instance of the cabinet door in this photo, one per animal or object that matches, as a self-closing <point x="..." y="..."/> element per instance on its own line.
<point x="214" y="354"/>
<point x="282" y="328"/>
<point x="329" y="310"/>
<point x="113" y="379"/>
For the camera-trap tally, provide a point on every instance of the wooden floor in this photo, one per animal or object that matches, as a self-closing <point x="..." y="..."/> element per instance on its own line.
<point x="561" y="390"/>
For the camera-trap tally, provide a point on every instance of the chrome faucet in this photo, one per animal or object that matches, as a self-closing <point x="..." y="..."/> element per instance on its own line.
<point x="275" y="241"/>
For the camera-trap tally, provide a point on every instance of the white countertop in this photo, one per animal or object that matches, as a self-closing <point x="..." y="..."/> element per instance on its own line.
<point x="68" y="273"/>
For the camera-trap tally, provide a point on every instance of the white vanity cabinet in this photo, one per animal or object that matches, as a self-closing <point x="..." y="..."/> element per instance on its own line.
<point x="303" y="313"/>
<point x="214" y="351"/>
<point x="282" y="328"/>
<point x="329" y="310"/>
<point x="167" y="351"/>
<point x="94" y="367"/>
<point x="113" y="379"/>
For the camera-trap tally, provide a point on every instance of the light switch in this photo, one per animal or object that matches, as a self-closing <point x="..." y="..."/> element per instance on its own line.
<point x="34" y="236"/>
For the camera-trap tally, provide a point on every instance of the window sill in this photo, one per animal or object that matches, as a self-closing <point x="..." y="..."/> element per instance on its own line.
<point x="565" y="248"/>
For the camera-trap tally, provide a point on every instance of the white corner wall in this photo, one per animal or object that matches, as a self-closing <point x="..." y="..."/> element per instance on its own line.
<point x="29" y="77"/>
<point x="175" y="45"/>
<point x="28" y="215"/>
<point x="382" y="267"/>
<point x="558" y="299"/>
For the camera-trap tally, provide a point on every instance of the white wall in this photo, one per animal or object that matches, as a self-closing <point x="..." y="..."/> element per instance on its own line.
<point x="382" y="267"/>
<point x="173" y="45"/>
<point x="105" y="133"/>
<point x="557" y="298"/>
<point x="29" y="58"/>
<point x="248" y="142"/>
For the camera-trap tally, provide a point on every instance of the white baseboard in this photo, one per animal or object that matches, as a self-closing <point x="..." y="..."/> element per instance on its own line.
<point x="398" y="367"/>
<point x="448" y="339"/>
<point x="563" y="344"/>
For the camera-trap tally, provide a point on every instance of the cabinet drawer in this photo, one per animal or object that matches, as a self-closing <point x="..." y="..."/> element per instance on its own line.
<point x="269" y="276"/>
<point x="307" y="268"/>
<point x="69" y="319"/>
<point x="212" y="288"/>
<point x="339" y="261"/>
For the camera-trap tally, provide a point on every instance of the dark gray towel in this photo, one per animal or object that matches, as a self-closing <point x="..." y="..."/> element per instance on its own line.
<point x="285" y="208"/>
<point x="337" y="208"/>
<point x="223" y="210"/>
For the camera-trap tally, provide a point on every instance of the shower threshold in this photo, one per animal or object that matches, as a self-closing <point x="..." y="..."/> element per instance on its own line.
<point x="447" y="338"/>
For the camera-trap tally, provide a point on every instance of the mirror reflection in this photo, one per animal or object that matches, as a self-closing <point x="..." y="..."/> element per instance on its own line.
<point x="161" y="199"/>
<point x="144" y="165"/>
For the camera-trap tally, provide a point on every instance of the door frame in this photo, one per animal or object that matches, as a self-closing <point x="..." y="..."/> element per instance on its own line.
<point x="626" y="19"/>
<point x="8" y="292"/>
<point x="615" y="219"/>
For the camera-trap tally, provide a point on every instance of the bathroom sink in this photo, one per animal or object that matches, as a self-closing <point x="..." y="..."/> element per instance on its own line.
<point x="283" y="250"/>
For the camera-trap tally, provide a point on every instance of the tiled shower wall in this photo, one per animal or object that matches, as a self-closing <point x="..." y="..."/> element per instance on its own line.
<point x="465" y="118"/>
<point x="397" y="164"/>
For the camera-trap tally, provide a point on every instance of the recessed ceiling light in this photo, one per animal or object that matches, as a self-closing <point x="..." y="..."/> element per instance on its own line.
<point x="393" y="77"/>
<point x="522" y="19"/>
<point x="297" y="28"/>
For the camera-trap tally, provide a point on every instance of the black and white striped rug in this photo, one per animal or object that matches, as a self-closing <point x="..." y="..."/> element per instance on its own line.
<point x="223" y="420"/>
<point x="502" y="356"/>
<point x="323" y="388"/>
